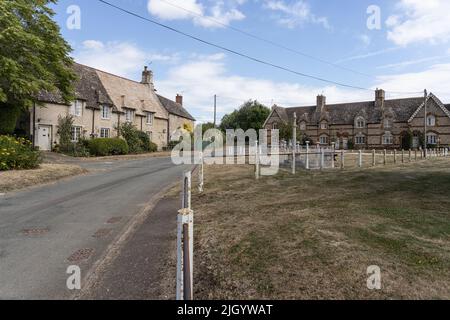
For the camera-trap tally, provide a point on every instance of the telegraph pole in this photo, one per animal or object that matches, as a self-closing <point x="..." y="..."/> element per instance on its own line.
<point x="425" y="123"/>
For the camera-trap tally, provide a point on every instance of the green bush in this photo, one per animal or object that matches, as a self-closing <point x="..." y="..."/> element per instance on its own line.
<point x="138" y="141"/>
<point x="131" y="135"/>
<point x="108" y="146"/>
<point x="17" y="153"/>
<point x="146" y="144"/>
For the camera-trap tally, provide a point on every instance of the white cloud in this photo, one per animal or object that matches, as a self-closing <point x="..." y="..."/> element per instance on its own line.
<point x="199" y="79"/>
<point x="420" y="21"/>
<point x="436" y="79"/>
<point x="216" y="16"/>
<point x="294" y="14"/>
<point x="408" y="63"/>
<point x="120" y="58"/>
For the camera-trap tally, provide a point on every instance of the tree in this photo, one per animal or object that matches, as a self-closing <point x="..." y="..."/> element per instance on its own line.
<point x="34" y="57"/>
<point x="206" y="127"/>
<point x="65" y="125"/>
<point x="251" y="115"/>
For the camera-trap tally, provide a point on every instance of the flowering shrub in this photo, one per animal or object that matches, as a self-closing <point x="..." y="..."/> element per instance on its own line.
<point x="17" y="153"/>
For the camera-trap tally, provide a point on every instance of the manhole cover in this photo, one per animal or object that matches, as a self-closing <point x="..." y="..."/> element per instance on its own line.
<point x="82" y="254"/>
<point x="35" y="231"/>
<point x="114" y="220"/>
<point x="102" y="233"/>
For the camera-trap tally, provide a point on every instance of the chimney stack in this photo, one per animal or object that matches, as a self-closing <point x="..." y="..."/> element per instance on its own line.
<point x="179" y="99"/>
<point x="321" y="102"/>
<point x="380" y="96"/>
<point x="147" y="76"/>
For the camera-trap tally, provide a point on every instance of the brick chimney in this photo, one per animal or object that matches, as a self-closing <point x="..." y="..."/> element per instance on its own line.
<point x="147" y="76"/>
<point x="321" y="102"/>
<point x="380" y="96"/>
<point x="179" y="99"/>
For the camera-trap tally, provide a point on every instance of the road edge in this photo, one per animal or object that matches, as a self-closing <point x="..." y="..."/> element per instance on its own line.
<point x="114" y="248"/>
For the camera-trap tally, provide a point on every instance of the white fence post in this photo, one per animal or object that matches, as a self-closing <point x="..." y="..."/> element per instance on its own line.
<point x="395" y="156"/>
<point x="333" y="150"/>
<point x="322" y="158"/>
<point x="373" y="159"/>
<point x="185" y="260"/>
<point x="342" y="159"/>
<point x="360" y="159"/>
<point x="384" y="156"/>
<point x="307" y="156"/>
<point x="257" y="160"/>
<point x="200" y="174"/>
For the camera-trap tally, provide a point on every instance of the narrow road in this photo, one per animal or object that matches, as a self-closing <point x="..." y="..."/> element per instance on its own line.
<point x="45" y="230"/>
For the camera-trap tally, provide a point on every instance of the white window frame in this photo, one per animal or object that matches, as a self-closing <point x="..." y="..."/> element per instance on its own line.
<point x="388" y="139"/>
<point x="106" y="109"/>
<point x="323" y="139"/>
<point x="324" y="125"/>
<point x="129" y="115"/>
<point x="360" y="123"/>
<point x="387" y="123"/>
<point x="360" y="139"/>
<point x="432" y="138"/>
<point x="150" y="135"/>
<point x="274" y="126"/>
<point x="76" y="108"/>
<point x="431" y="120"/>
<point x="150" y="118"/>
<point x="103" y="131"/>
<point x="76" y="133"/>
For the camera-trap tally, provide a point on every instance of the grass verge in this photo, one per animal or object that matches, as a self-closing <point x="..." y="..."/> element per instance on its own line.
<point x="313" y="235"/>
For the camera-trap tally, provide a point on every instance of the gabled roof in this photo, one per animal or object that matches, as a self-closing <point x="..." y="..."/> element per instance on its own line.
<point x="175" y="108"/>
<point x="88" y="87"/>
<point x="431" y="96"/>
<point x="138" y="96"/>
<point x="345" y="113"/>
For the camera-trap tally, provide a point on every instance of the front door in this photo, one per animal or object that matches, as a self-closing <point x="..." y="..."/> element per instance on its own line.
<point x="44" y="138"/>
<point x="344" y="143"/>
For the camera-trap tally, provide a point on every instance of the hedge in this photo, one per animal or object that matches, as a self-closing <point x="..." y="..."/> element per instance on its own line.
<point x="18" y="153"/>
<point x="107" y="147"/>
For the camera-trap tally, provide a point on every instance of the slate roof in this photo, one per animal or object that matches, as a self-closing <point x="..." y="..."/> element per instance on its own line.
<point x="175" y="108"/>
<point x="88" y="87"/>
<point x="345" y="113"/>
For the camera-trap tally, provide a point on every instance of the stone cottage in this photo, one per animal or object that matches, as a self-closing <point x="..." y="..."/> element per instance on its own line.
<point x="380" y="123"/>
<point x="105" y="101"/>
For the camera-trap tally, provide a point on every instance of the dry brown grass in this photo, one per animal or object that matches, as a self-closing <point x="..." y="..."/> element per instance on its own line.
<point x="313" y="235"/>
<point x="19" y="179"/>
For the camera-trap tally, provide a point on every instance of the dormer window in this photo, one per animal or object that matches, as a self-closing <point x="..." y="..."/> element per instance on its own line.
<point x="275" y="126"/>
<point x="324" y="125"/>
<point x="149" y="118"/>
<point x="106" y="112"/>
<point x="129" y="115"/>
<point x="76" y="108"/>
<point x="431" y="120"/>
<point x="360" y="123"/>
<point x="302" y="125"/>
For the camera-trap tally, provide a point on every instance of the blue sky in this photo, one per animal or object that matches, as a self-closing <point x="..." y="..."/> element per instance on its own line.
<point x="407" y="53"/>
